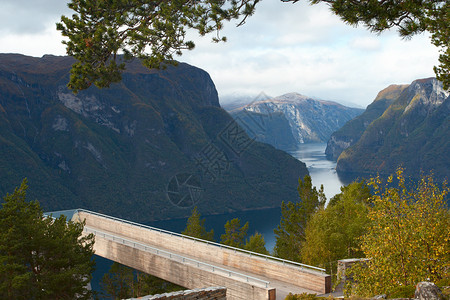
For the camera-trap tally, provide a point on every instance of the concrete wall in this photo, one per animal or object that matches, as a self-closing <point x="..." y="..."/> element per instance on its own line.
<point x="312" y="280"/>
<point x="344" y="265"/>
<point x="182" y="274"/>
<point x="210" y="293"/>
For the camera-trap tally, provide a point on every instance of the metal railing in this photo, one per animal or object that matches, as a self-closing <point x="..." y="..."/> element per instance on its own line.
<point x="176" y="257"/>
<point x="250" y="253"/>
<point x="68" y="213"/>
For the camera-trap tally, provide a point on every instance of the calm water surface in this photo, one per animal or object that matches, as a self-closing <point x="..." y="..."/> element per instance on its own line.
<point x="322" y="171"/>
<point x="264" y="221"/>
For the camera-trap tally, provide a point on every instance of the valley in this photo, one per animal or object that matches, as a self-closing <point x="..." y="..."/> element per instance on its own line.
<point x="158" y="144"/>
<point x="109" y="122"/>
<point x="147" y="148"/>
<point x="292" y="119"/>
<point x="321" y="170"/>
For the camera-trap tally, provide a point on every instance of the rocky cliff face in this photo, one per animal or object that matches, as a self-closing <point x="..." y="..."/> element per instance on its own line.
<point x="351" y="132"/>
<point x="414" y="132"/>
<point x="149" y="147"/>
<point x="299" y="119"/>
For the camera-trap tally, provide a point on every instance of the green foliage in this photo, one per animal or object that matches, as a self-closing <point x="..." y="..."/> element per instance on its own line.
<point x="406" y="137"/>
<point x="234" y="235"/>
<point x="118" y="282"/>
<point x="122" y="282"/>
<point x="352" y="131"/>
<point x="195" y="227"/>
<point x="408" y="237"/>
<point x="256" y="243"/>
<point x="151" y="285"/>
<point x="410" y="17"/>
<point x="290" y="233"/>
<point x="99" y="30"/>
<point x="440" y="37"/>
<point x="332" y="233"/>
<point x="358" y="191"/>
<point x="42" y="257"/>
<point x="446" y="291"/>
<point x="142" y="137"/>
<point x="402" y="292"/>
<point x="443" y="282"/>
<point x="302" y="296"/>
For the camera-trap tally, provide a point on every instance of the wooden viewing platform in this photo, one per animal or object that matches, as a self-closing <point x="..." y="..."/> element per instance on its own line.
<point x="195" y="263"/>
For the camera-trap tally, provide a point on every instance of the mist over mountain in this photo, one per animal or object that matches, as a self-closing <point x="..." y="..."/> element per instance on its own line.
<point x="292" y="119"/>
<point x="413" y="131"/>
<point x="150" y="147"/>
<point x="235" y="101"/>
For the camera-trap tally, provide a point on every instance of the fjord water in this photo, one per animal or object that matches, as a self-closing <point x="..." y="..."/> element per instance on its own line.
<point x="322" y="171"/>
<point x="264" y="221"/>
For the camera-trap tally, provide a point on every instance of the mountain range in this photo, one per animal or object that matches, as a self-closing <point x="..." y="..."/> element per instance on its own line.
<point x="236" y="100"/>
<point x="406" y="125"/>
<point x="292" y="119"/>
<point x="150" y="147"/>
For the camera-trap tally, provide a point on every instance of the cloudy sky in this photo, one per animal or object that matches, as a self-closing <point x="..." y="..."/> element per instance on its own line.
<point x="283" y="48"/>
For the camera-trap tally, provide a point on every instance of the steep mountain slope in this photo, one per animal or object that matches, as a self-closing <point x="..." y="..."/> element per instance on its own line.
<point x="293" y="119"/>
<point x="273" y="129"/>
<point x="350" y="133"/>
<point x="147" y="148"/>
<point x="412" y="132"/>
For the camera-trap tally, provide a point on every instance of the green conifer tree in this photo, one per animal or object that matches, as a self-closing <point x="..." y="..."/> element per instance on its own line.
<point x="195" y="227"/>
<point x="122" y="282"/>
<point x="234" y="234"/>
<point x="290" y="233"/>
<point x="42" y="257"/>
<point x="118" y="282"/>
<point x="256" y="243"/>
<point x="333" y="233"/>
<point x="98" y="31"/>
<point x="409" y="17"/>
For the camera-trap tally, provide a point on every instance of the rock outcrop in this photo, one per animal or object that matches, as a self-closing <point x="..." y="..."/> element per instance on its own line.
<point x="428" y="291"/>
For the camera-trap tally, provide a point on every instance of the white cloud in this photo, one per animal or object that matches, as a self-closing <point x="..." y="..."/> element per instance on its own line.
<point x="47" y="41"/>
<point x="366" y="43"/>
<point x="308" y="50"/>
<point x="29" y="16"/>
<point x="283" y="48"/>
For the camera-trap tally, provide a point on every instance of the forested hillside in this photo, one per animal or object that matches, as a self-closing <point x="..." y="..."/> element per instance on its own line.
<point x="414" y="132"/>
<point x="149" y="147"/>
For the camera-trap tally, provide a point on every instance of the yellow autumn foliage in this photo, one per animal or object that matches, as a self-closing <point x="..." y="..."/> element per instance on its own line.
<point x="408" y="238"/>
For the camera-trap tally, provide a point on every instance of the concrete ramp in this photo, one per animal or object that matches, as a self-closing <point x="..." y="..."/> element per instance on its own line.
<point x="195" y="263"/>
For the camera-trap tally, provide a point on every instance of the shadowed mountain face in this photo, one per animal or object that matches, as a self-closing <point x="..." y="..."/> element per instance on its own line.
<point x="150" y="147"/>
<point x="414" y="131"/>
<point x="292" y="119"/>
<point x="350" y="133"/>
